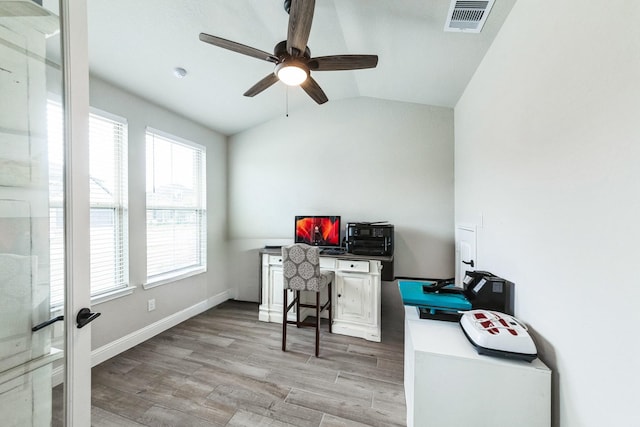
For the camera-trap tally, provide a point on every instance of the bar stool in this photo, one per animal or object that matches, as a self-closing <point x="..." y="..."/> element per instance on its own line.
<point x="301" y="271"/>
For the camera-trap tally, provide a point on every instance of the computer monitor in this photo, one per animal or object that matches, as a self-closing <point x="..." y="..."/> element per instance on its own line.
<point x="318" y="230"/>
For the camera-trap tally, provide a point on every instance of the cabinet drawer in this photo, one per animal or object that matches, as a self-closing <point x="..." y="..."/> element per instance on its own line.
<point x="275" y="259"/>
<point x="327" y="263"/>
<point x="349" y="265"/>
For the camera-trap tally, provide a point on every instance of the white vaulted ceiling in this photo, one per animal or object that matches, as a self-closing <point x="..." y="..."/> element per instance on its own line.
<point x="136" y="44"/>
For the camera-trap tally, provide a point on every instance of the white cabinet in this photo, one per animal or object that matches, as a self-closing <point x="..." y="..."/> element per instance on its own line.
<point x="447" y="383"/>
<point x="354" y="297"/>
<point x="356" y="294"/>
<point x="272" y="297"/>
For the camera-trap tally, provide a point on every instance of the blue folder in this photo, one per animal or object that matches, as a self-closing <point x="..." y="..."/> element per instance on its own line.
<point x="412" y="294"/>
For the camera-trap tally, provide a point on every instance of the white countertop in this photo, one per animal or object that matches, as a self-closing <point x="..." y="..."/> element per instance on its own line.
<point x="447" y="339"/>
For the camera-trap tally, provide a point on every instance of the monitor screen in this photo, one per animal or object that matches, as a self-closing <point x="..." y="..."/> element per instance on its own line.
<point x="318" y="230"/>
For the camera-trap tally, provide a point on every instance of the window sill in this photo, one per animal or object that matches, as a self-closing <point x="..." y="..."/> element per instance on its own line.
<point x="98" y="299"/>
<point x="172" y="277"/>
<point x="108" y="296"/>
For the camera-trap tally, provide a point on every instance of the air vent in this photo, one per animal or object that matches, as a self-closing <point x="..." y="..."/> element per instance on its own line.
<point x="467" y="16"/>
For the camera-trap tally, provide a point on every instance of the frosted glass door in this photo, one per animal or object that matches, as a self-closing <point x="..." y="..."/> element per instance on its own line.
<point x="27" y="79"/>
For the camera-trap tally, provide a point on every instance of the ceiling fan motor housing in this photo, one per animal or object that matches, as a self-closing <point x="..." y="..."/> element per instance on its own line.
<point x="280" y="50"/>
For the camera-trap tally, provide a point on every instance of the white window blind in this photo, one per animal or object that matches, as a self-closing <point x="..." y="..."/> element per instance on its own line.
<point x="55" y="131"/>
<point x="107" y="198"/>
<point x="176" y="206"/>
<point x="108" y="201"/>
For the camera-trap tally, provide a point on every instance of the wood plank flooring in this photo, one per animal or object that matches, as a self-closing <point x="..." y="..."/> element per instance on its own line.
<point x="226" y="368"/>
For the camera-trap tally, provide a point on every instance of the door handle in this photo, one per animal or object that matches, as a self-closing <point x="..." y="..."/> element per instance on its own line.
<point x="85" y="316"/>
<point x="46" y="323"/>
<point x="468" y="263"/>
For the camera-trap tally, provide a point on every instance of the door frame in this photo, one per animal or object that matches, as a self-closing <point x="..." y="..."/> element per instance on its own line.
<point x="77" y="385"/>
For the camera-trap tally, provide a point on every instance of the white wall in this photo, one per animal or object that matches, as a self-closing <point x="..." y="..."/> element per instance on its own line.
<point x="128" y="314"/>
<point x="364" y="159"/>
<point x="547" y="151"/>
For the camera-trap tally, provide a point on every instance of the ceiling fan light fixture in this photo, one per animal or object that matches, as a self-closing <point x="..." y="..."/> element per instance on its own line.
<point x="292" y="73"/>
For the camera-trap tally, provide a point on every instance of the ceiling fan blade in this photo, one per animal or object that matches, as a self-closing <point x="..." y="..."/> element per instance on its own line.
<point x="342" y="62"/>
<point x="237" y="47"/>
<point x="300" y="18"/>
<point x="314" y="90"/>
<point x="262" y="85"/>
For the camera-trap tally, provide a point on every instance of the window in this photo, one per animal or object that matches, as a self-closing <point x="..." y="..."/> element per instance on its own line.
<point x="55" y="132"/>
<point x="176" y="208"/>
<point x="107" y="198"/>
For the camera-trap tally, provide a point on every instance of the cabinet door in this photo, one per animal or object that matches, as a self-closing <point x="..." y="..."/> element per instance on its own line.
<point x="353" y="292"/>
<point x="276" y="281"/>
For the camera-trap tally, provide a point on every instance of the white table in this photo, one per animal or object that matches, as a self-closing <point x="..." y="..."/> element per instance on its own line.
<point x="447" y="383"/>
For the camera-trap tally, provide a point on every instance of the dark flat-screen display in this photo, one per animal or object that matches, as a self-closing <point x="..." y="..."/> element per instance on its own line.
<point x="318" y="230"/>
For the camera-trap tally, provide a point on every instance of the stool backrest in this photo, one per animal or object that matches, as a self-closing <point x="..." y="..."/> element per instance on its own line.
<point x="301" y="267"/>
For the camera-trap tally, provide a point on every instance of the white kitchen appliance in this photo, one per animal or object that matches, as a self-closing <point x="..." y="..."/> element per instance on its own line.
<point x="497" y="334"/>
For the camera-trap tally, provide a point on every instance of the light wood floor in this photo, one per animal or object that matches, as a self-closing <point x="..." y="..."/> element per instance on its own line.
<point x="225" y="368"/>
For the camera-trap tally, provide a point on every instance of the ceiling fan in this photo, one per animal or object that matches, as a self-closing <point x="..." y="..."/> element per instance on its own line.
<point x="293" y="57"/>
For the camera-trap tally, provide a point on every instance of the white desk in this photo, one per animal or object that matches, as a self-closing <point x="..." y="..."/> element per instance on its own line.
<point x="447" y="383"/>
<point x="356" y="292"/>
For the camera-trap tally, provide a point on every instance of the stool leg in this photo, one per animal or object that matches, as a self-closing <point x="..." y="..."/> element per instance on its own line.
<point x="284" y="321"/>
<point x="330" y="309"/>
<point x="317" y="322"/>
<point x="297" y="309"/>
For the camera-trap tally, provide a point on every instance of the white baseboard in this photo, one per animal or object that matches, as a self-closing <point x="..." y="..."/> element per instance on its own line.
<point x="116" y="347"/>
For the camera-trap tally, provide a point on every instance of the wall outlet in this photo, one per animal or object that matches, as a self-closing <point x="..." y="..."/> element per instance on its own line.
<point x="151" y="304"/>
